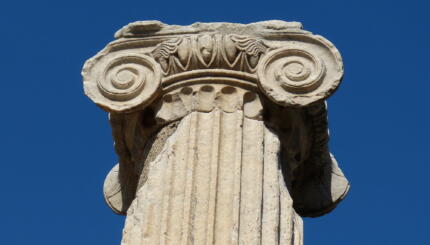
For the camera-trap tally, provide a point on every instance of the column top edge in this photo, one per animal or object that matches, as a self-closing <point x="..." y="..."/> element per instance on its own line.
<point x="158" y="28"/>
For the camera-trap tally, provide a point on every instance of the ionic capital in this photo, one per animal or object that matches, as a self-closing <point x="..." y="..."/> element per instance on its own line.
<point x="277" y="59"/>
<point x="230" y="118"/>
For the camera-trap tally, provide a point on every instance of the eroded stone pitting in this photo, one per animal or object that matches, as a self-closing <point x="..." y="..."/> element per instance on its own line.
<point x="221" y="130"/>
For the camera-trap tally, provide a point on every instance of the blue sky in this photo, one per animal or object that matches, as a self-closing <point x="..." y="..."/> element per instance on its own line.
<point x="56" y="144"/>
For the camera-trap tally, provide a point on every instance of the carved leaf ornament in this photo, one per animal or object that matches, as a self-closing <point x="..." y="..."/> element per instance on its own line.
<point x="232" y="52"/>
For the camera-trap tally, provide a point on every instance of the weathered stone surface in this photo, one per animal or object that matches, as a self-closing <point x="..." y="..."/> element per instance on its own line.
<point x="221" y="130"/>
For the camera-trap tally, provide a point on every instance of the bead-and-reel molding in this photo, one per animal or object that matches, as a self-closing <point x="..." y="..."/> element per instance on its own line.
<point x="299" y="73"/>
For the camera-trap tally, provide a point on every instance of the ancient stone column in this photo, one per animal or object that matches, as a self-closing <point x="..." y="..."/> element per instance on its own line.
<point x="220" y="129"/>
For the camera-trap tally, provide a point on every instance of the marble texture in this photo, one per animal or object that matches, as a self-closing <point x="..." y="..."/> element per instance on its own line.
<point x="221" y="130"/>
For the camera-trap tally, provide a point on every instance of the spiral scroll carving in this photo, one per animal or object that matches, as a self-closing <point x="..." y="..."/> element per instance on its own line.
<point x="298" y="71"/>
<point x="123" y="78"/>
<point x="125" y="82"/>
<point x="299" y="75"/>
